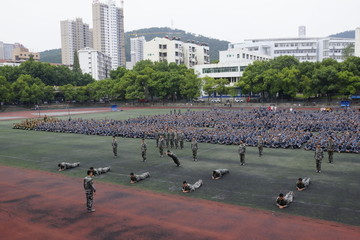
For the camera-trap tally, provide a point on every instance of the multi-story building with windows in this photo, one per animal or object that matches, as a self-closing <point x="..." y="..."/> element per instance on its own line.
<point x="304" y="49"/>
<point x="164" y="49"/>
<point x="136" y="50"/>
<point x="196" y="53"/>
<point x="231" y="66"/>
<point x="95" y="63"/>
<point x="108" y="31"/>
<point x="6" y="51"/>
<point x="75" y="35"/>
<point x="22" y="54"/>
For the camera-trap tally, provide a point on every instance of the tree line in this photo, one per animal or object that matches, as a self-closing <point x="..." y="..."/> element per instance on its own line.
<point x="34" y="83"/>
<point x="285" y="77"/>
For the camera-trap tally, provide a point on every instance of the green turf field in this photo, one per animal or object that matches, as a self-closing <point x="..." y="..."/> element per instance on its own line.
<point x="333" y="195"/>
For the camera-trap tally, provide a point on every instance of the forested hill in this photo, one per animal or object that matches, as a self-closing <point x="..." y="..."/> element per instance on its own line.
<point x="51" y="56"/>
<point x="346" y="34"/>
<point x="215" y="45"/>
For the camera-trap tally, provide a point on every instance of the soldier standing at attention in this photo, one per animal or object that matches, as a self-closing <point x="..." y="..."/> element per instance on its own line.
<point x="161" y="145"/>
<point x="242" y="150"/>
<point x="157" y="139"/>
<point x="89" y="191"/>
<point x="181" y="137"/>
<point x="114" y="146"/>
<point x="194" y="148"/>
<point x="260" y="145"/>
<point x="319" y="155"/>
<point x="330" y="149"/>
<point x="167" y="138"/>
<point x="143" y="149"/>
<point x="172" y="136"/>
<point x="176" y="139"/>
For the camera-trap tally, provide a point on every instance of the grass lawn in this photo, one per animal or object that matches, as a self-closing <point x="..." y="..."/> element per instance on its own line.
<point x="333" y="195"/>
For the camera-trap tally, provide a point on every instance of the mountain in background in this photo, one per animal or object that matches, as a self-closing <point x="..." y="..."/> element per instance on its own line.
<point x="51" y="56"/>
<point x="346" y="34"/>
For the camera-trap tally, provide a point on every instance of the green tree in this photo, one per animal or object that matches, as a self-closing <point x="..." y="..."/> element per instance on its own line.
<point x="5" y="90"/>
<point x="76" y="64"/>
<point x="209" y="85"/>
<point x="348" y="51"/>
<point x="220" y="86"/>
<point x="190" y="85"/>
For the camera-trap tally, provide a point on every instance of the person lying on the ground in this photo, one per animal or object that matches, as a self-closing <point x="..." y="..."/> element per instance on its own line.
<point x="136" y="178"/>
<point x="303" y="184"/>
<point x="65" y="165"/>
<point x="98" y="171"/>
<point x="284" y="201"/>
<point x="218" y="173"/>
<point x="186" y="187"/>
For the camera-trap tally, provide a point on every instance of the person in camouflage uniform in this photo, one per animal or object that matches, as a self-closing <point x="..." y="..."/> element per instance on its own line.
<point x="330" y="149"/>
<point x="181" y="138"/>
<point x="156" y="136"/>
<point x="186" y="187"/>
<point x="218" y="173"/>
<point x="114" y="146"/>
<point x="319" y="155"/>
<point x="65" y="165"/>
<point x="89" y="191"/>
<point x="176" y="139"/>
<point x="194" y="148"/>
<point x="241" y="151"/>
<point x="136" y="178"/>
<point x="161" y="145"/>
<point x="172" y="136"/>
<point x="143" y="149"/>
<point x="173" y="157"/>
<point x="260" y="145"/>
<point x="99" y="171"/>
<point x="167" y="138"/>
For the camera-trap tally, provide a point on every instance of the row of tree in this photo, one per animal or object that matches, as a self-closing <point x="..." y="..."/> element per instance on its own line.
<point x="285" y="76"/>
<point x="33" y="82"/>
<point x="30" y="83"/>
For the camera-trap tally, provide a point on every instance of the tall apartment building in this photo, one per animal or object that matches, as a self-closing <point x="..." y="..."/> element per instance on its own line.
<point x="75" y="35"/>
<point x="357" y="42"/>
<point x="304" y="49"/>
<point x="164" y="49"/>
<point x="108" y="31"/>
<point x="95" y="63"/>
<point x="136" y="50"/>
<point x="196" y="53"/>
<point x="6" y="51"/>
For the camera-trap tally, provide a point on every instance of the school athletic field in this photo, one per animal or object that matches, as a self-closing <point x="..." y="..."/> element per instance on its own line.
<point x="333" y="195"/>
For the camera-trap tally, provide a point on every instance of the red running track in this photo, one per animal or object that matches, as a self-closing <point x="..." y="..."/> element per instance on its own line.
<point x="42" y="205"/>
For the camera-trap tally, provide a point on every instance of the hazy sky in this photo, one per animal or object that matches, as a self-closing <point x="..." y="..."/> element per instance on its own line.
<point x="36" y="23"/>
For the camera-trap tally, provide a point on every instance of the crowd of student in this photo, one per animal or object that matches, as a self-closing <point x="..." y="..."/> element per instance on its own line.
<point x="279" y="129"/>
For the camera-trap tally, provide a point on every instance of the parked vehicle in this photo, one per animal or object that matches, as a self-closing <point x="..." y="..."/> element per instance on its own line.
<point x="238" y="100"/>
<point x="216" y="100"/>
<point x="198" y="100"/>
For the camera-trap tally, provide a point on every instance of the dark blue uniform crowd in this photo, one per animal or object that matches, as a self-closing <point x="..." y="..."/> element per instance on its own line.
<point x="279" y="129"/>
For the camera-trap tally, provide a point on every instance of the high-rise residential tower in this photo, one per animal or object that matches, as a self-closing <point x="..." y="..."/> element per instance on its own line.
<point x="75" y="35"/>
<point x="137" y="49"/>
<point x="357" y="42"/>
<point x="108" y="31"/>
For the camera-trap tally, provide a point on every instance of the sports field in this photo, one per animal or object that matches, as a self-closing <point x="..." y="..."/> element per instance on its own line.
<point x="333" y="195"/>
